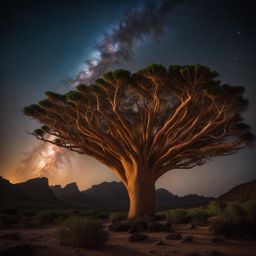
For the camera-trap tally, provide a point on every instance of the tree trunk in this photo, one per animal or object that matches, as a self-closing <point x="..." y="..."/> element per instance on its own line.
<point x="141" y="190"/>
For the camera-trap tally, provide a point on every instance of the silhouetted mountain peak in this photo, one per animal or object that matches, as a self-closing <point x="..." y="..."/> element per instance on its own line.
<point x="71" y="188"/>
<point x="42" y="182"/>
<point x="35" y="193"/>
<point x="242" y="192"/>
<point x="4" y="181"/>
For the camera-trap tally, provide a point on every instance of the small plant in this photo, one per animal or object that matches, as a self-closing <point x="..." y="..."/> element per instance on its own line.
<point x="83" y="232"/>
<point x="215" y="208"/>
<point x="8" y="219"/>
<point x="45" y="217"/>
<point x="118" y="216"/>
<point x="179" y="216"/>
<point x="198" y="215"/>
<point x="235" y="213"/>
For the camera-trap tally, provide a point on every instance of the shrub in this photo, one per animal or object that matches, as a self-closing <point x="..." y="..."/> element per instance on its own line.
<point x="235" y="213"/>
<point x="83" y="232"/>
<point x="9" y="210"/>
<point x="118" y="216"/>
<point x="93" y="214"/>
<point x="45" y="217"/>
<point x="8" y="219"/>
<point x="178" y="216"/>
<point x="27" y="222"/>
<point x="215" y="208"/>
<point x="198" y="215"/>
<point x="250" y="208"/>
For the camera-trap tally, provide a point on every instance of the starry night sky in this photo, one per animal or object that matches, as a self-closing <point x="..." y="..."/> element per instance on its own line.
<point x="44" y="43"/>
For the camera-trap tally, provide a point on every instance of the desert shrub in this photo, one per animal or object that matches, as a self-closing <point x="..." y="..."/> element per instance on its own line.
<point x="227" y="228"/>
<point x="95" y="214"/>
<point x="27" y="222"/>
<point x="9" y="210"/>
<point x="28" y="212"/>
<point x="235" y="213"/>
<point x="45" y="217"/>
<point x="8" y="219"/>
<point x="102" y="215"/>
<point x="160" y="216"/>
<point x="215" y="208"/>
<point x="250" y="208"/>
<point x="83" y="232"/>
<point x="238" y="220"/>
<point x="118" y="216"/>
<point x="178" y="216"/>
<point x="198" y="215"/>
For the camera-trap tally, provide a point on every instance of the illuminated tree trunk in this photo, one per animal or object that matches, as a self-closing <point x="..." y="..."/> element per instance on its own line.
<point x="141" y="191"/>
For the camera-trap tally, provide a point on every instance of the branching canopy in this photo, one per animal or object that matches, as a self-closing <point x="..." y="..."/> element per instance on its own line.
<point x="163" y="118"/>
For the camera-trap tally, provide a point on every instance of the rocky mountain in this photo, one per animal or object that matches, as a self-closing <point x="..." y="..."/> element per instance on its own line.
<point x="240" y="192"/>
<point x="113" y="196"/>
<point x="32" y="193"/>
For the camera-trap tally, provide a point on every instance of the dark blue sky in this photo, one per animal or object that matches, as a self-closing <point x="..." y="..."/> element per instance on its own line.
<point x="45" y="42"/>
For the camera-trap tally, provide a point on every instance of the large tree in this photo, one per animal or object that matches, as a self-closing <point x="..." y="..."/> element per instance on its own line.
<point x="145" y="124"/>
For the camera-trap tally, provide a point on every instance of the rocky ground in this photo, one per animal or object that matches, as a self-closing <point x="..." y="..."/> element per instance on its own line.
<point x="45" y="242"/>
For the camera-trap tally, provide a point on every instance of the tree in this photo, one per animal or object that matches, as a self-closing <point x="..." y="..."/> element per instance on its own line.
<point x="144" y="124"/>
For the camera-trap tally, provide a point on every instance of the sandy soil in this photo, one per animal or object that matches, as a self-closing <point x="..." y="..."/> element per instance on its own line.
<point x="45" y="242"/>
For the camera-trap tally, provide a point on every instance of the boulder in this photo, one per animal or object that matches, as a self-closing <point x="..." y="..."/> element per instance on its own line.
<point x="187" y="239"/>
<point x="137" y="237"/>
<point x="139" y="225"/>
<point x="191" y="225"/>
<point x="216" y="239"/>
<point x="10" y="236"/>
<point x="159" y="243"/>
<point x="17" y="250"/>
<point x="215" y="253"/>
<point x="173" y="236"/>
<point x="154" y="227"/>
<point x="167" y="227"/>
<point x="119" y="227"/>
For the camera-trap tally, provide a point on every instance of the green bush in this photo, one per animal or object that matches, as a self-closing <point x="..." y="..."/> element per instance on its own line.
<point x="215" y="208"/>
<point x="235" y="213"/>
<point x="198" y="215"/>
<point x="178" y="216"/>
<point x="83" y="232"/>
<point x="45" y="217"/>
<point x="250" y="208"/>
<point x="118" y="216"/>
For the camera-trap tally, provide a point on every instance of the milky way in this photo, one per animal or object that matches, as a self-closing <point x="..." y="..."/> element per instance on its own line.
<point x="114" y="49"/>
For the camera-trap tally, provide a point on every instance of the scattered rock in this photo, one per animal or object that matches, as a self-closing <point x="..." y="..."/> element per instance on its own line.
<point x="139" y="225"/>
<point x="194" y="254"/>
<point x="216" y="239"/>
<point x="17" y="250"/>
<point x="187" y="239"/>
<point x="154" y="227"/>
<point x="132" y="230"/>
<point x="173" y="236"/>
<point x="119" y="227"/>
<point x="137" y="237"/>
<point x="167" y="227"/>
<point x="215" y="253"/>
<point x="159" y="243"/>
<point x="11" y="236"/>
<point x="191" y="225"/>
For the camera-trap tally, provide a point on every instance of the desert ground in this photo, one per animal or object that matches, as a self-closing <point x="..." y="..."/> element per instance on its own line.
<point x="44" y="241"/>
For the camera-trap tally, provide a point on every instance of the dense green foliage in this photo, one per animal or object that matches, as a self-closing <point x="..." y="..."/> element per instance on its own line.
<point x="83" y="232"/>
